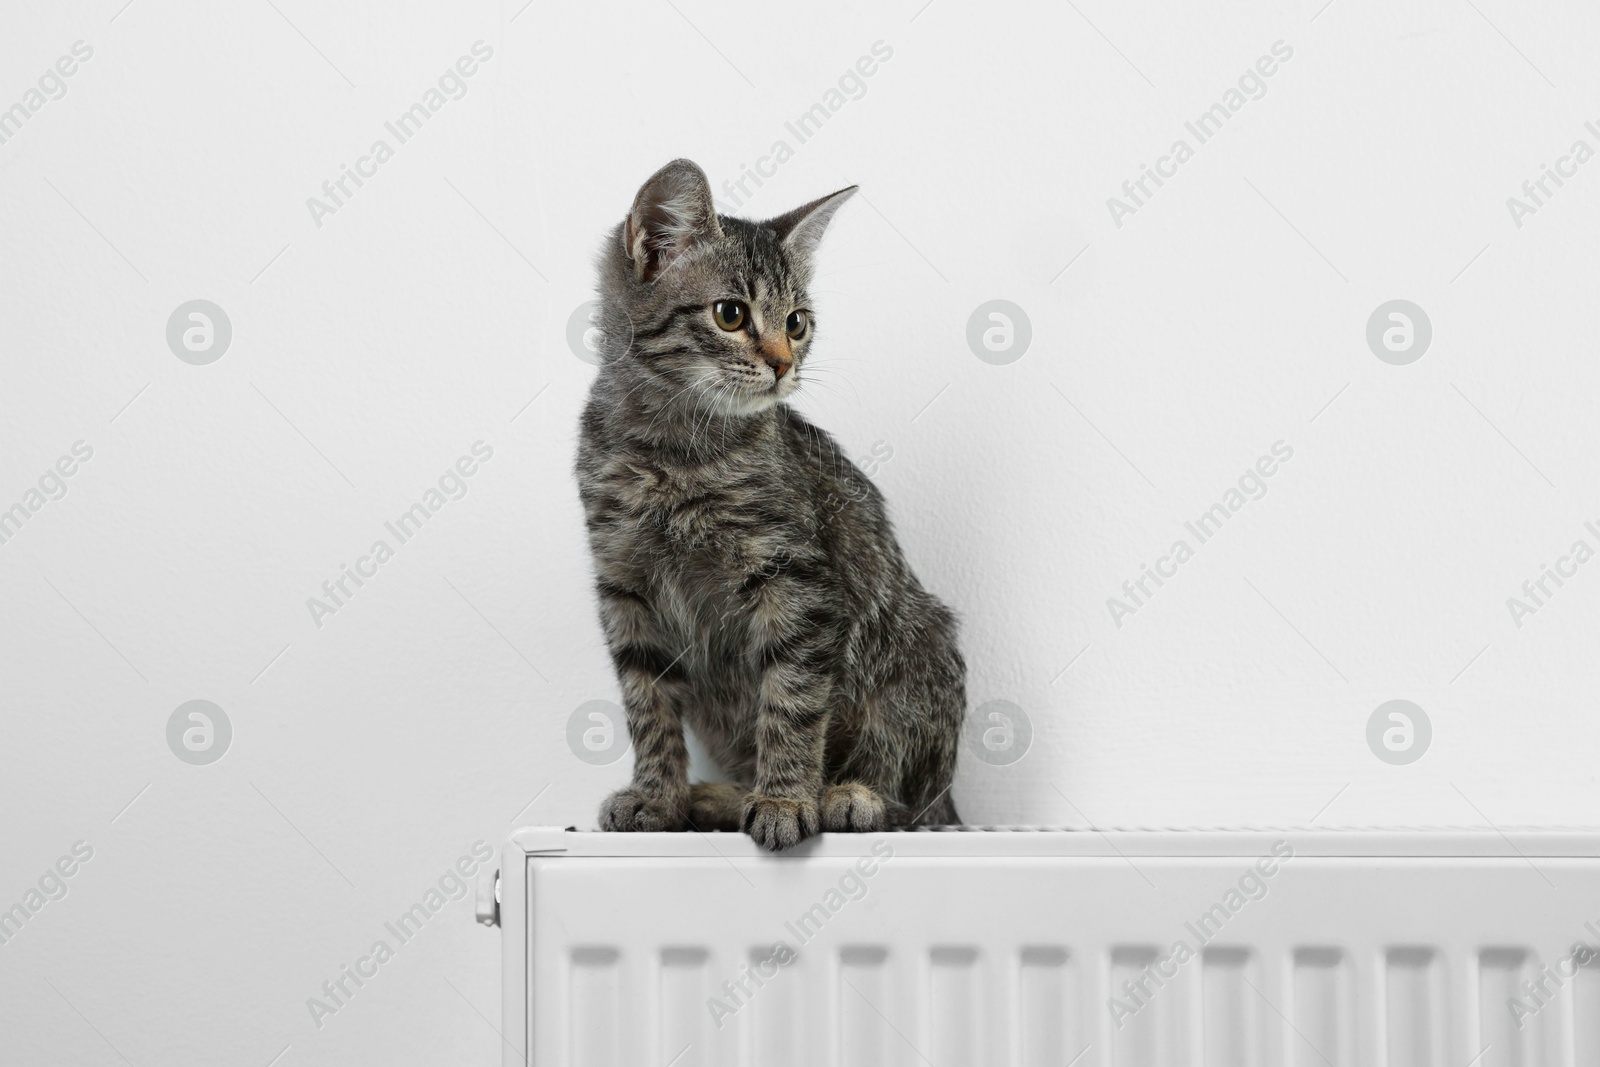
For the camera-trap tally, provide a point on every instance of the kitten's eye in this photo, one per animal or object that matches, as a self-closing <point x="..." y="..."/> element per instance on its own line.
<point x="729" y="314"/>
<point x="796" y="324"/>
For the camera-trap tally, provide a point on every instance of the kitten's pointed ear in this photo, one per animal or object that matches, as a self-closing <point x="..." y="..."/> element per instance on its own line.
<point x="671" y="212"/>
<point x="801" y="229"/>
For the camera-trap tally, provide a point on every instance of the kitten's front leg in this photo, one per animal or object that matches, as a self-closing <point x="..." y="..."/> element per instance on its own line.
<point x="791" y="720"/>
<point x="782" y="810"/>
<point x="651" y="680"/>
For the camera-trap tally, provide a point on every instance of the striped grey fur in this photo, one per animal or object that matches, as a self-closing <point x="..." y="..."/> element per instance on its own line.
<point x="749" y="583"/>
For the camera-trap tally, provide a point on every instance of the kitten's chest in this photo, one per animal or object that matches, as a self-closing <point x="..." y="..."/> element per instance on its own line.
<point x="719" y="516"/>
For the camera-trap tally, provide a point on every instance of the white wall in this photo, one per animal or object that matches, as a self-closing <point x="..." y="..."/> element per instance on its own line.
<point x="429" y="312"/>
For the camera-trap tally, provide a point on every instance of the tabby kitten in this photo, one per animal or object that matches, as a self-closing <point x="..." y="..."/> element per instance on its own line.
<point x="749" y="583"/>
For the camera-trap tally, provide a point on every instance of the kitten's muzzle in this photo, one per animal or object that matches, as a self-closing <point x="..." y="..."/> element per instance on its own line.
<point x="777" y="356"/>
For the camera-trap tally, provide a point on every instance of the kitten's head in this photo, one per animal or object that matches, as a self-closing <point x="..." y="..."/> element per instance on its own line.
<point x="715" y="309"/>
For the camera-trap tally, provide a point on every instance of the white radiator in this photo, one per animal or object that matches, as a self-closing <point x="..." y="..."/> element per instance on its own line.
<point x="1090" y="949"/>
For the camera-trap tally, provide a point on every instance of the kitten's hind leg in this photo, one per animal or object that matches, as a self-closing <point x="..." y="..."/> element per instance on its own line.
<point x="853" y="808"/>
<point x="716" y="806"/>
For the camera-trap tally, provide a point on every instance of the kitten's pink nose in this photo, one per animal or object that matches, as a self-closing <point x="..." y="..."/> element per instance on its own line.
<point x="777" y="358"/>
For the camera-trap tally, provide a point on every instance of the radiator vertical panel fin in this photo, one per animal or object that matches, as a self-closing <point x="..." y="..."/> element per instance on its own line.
<point x="1323" y="1016"/>
<point x="1501" y="972"/>
<point x="1137" y="1039"/>
<point x="1585" y="1003"/>
<point x="684" y="1017"/>
<point x="865" y="1039"/>
<point x="1412" y="1008"/>
<point x="1099" y="1030"/>
<point x="780" y="1035"/>
<point x="954" y="1008"/>
<point x="1369" y="967"/>
<point x="1228" y="1008"/>
<point x="595" y="1020"/>
<point x="1050" y="1032"/>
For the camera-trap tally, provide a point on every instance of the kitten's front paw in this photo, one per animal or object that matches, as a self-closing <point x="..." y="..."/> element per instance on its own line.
<point x="631" y="811"/>
<point x="853" y="808"/>
<point x="777" y="823"/>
